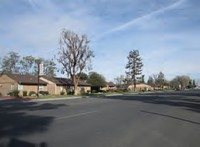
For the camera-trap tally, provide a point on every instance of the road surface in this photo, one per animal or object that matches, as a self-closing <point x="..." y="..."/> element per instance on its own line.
<point x="147" y="120"/>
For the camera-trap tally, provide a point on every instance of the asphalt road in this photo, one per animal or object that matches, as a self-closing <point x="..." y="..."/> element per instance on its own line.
<point x="150" y="120"/>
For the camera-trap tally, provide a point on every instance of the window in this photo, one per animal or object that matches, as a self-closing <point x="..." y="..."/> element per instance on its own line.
<point x="41" y="88"/>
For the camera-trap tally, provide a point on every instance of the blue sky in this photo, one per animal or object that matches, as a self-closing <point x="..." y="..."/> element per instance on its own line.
<point x="166" y="32"/>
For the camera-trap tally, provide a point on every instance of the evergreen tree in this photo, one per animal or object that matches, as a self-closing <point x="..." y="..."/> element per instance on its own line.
<point x="194" y="84"/>
<point x="151" y="81"/>
<point x="134" y="66"/>
<point x="160" y="79"/>
<point x="10" y="63"/>
<point x="96" y="80"/>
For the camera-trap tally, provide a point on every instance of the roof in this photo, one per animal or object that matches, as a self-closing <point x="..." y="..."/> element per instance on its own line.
<point x="64" y="81"/>
<point x="111" y="84"/>
<point x="82" y="83"/>
<point x="58" y="80"/>
<point x="26" y="79"/>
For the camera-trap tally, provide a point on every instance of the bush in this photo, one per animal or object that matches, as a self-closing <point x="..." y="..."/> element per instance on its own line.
<point x="24" y="93"/>
<point x="14" y="93"/>
<point x="10" y="93"/>
<point x="32" y="93"/>
<point x="44" y="92"/>
<point x="62" y="93"/>
<point x="102" y="91"/>
<point x="70" y="93"/>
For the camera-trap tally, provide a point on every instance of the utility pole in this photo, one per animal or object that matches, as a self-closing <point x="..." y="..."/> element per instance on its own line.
<point x="37" y="61"/>
<point x="38" y="79"/>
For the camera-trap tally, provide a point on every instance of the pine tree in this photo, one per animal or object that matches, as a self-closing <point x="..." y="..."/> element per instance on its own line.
<point x="134" y="66"/>
<point x="151" y="81"/>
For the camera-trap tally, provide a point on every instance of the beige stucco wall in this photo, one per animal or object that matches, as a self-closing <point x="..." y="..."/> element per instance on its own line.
<point x="51" y="87"/>
<point x="84" y="89"/>
<point x="107" y="88"/>
<point x="60" y="89"/>
<point x="29" y="88"/>
<point x="7" y="85"/>
<point x="140" y="87"/>
<point x="56" y="90"/>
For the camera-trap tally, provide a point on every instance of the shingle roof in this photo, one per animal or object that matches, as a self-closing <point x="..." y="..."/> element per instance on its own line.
<point x="58" y="81"/>
<point x="64" y="81"/>
<point x="26" y="79"/>
<point x="111" y="84"/>
<point x="82" y="83"/>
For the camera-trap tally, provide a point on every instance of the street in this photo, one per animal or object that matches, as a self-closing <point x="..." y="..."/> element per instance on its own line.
<point x="169" y="119"/>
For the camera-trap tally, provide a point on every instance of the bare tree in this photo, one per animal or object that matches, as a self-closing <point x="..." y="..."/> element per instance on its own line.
<point x="119" y="81"/>
<point x="75" y="55"/>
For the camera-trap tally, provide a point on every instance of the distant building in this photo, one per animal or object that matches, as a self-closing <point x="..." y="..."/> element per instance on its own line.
<point x="110" y="86"/>
<point x="140" y="87"/>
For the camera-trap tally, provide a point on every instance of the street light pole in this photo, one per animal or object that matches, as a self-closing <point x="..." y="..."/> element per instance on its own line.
<point x="37" y="61"/>
<point x="38" y="79"/>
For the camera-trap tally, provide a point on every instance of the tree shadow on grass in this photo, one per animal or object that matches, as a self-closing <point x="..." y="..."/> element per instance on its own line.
<point x="15" y="120"/>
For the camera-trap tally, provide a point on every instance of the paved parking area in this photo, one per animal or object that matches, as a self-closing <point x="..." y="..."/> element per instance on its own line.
<point x="153" y="120"/>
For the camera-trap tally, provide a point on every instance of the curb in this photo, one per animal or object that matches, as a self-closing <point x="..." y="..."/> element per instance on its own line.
<point x="54" y="99"/>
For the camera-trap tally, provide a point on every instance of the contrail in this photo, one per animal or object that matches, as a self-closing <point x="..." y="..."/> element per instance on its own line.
<point x="32" y="3"/>
<point x="134" y="21"/>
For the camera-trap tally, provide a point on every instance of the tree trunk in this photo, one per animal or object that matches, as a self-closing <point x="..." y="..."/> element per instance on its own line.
<point x="75" y="88"/>
<point x="134" y="84"/>
<point x="75" y="83"/>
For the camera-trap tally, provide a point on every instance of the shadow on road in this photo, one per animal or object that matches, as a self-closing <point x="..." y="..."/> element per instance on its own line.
<point x="189" y="100"/>
<point x="164" y="115"/>
<point x="20" y="143"/>
<point x="15" y="119"/>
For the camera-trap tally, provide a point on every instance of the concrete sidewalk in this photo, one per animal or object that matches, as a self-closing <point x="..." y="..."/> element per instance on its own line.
<point x="54" y="99"/>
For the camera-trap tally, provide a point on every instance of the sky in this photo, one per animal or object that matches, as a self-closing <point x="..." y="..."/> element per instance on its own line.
<point x="166" y="32"/>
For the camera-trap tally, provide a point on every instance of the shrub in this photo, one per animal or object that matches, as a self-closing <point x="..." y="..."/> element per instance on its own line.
<point x="32" y="93"/>
<point x="94" y="91"/>
<point x="24" y="93"/>
<point x="10" y="93"/>
<point x="44" y="92"/>
<point x="62" y="93"/>
<point x="14" y="93"/>
<point x="70" y="93"/>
